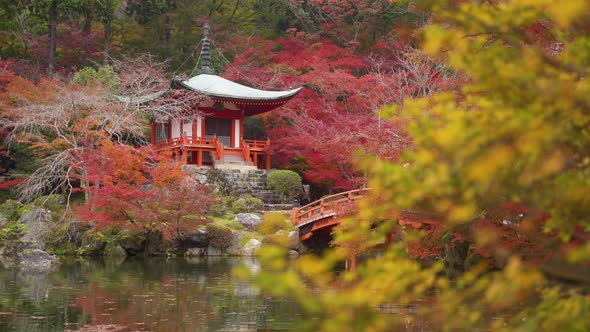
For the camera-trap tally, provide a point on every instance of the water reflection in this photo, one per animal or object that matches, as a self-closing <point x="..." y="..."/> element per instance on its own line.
<point x="157" y="294"/>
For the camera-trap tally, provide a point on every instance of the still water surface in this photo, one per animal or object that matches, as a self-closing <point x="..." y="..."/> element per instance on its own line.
<point x="155" y="294"/>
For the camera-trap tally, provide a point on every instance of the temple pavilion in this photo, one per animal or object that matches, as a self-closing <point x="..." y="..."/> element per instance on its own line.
<point x="214" y="134"/>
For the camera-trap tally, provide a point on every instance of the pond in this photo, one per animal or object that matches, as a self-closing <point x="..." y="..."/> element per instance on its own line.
<point x="155" y="294"/>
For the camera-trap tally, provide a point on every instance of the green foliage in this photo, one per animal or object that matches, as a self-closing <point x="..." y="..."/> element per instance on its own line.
<point x="254" y="127"/>
<point x="247" y="204"/>
<point x="53" y="203"/>
<point x="11" y="240"/>
<point x="223" y="207"/>
<point x="11" y="209"/>
<point x="272" y="223"/>
<point x="284" y="182"/>
<point x="59" y="241"/>
<point x="104" y="76"/>
<point x="234" y="225"/>
<point x="220" y="236"/>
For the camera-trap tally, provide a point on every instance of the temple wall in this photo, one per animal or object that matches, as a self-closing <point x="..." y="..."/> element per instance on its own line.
<point x="187" y="128"/>
<point x="175" y="128"/>
<point x="199" y="127"/>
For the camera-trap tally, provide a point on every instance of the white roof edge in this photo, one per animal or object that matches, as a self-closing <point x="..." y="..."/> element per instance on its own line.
<point x="216" y="86"/>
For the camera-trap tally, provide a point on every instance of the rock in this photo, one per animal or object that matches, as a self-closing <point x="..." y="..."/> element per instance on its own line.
<point x="214" y="252"/>
<point x="132" y="242"/>
<point x="92" y="243"/>
<point x="38" y="225"/>
<point x="114" y="250"/>
<point x="155" y="244"/>
<point x="3" y="221"/>
<point x="197" y="239"/>
<point x="196" y="252"/>
<point x="235" y="249"/>
<point x="201" y="179"/>
<point x="251" y="247"/>
<point x="248" y="220"/>
<point x="76" y="230"/>
<point x="294" y="242"/>
<point x="37" y="261"/>
<point x="293" y="254"/>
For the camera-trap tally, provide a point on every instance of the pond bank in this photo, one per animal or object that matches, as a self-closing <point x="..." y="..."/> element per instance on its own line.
<point x="32" y="235"/>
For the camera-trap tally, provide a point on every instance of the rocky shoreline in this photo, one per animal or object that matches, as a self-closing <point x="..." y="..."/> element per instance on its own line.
<point x="32" y="237"/>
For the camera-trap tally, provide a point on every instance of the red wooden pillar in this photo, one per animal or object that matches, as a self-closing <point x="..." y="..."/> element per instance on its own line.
<point x="181" y="129"/>
<point x="184" y="156"/>
<point x="169" y="129"/>
<point x="256" y="159"/>
<point x="153" y="133"/>
<point x="242" y="128"/>
<point x="203" y="132"/>
<point x="268" y="161"/>
<point x="200" y="158"/>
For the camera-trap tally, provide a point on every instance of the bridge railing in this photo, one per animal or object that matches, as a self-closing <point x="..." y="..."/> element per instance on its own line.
<point x="328" y="205"/>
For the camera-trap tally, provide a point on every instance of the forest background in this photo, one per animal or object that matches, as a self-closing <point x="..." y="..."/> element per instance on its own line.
<point x="488" y="133"/>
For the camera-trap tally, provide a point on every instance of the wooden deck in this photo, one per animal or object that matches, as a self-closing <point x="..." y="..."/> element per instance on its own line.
<point x="191" y="150"/>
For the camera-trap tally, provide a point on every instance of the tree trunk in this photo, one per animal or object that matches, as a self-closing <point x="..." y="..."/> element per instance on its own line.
<point x="52" y="34"/>
<point x="87" y="26"/>
<point x="107" y="37"/>
<point x="166" y="34"/>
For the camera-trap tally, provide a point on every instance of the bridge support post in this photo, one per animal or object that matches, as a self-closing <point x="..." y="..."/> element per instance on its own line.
<point x="352" y="264"/>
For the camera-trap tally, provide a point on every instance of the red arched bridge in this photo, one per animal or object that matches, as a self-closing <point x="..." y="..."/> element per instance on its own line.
<point x="325" y="213"/>
<point x="321" y="216"/>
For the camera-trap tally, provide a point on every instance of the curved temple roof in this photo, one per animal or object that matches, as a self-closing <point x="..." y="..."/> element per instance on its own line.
<point x="216" y="86"/>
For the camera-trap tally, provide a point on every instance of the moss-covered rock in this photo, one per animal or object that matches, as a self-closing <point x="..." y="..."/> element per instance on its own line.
<point x="10" y="209"/>
<point x="114" y="250"/>
<point x="54" y="204"/>
<point x="93" y="243"/>
<point x="133" y="242"/>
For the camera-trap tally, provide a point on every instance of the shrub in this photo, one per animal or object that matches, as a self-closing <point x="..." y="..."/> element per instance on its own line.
<point x="272" y="223"/>
<point x="11" y="239"/>
<point x="281" y="240"/>
<point x="220" y="236"/>
<point x="284" y="182"/>
<point x="247" y="204"/>
<point x="11" y="209"/>
<point x="223" y="206"/>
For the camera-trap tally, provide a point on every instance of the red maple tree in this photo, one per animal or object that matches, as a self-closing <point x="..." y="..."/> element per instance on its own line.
<point x="139" y="190"/>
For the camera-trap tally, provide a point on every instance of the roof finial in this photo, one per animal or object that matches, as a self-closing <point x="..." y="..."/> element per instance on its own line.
<point x="206" y="67"/>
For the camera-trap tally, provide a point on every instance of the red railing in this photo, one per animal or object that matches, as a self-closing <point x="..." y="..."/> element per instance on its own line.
<point x="326" y="207"/>
<point x="184" y="140"/>
<point x="245" y="150"/>
<point x="257" y="145"/>
<point x="218" y="148"/>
